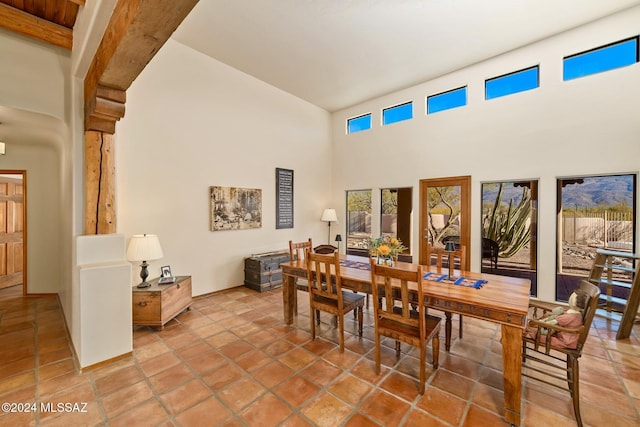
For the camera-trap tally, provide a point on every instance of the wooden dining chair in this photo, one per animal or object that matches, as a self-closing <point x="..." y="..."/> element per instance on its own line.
<point x="548" y="350"/>
<point x="326" y="294"/>
<point x="451" y="257"/>
<point x="298" y="251"/>
<point x="401" y="317"/>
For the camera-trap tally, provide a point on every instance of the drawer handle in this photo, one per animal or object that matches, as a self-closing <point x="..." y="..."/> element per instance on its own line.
<point x="142" y="303"/>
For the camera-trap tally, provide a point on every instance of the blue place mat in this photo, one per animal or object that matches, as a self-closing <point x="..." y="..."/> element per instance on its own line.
<point x="355" y="264"/>
<point x="462" y="281"/>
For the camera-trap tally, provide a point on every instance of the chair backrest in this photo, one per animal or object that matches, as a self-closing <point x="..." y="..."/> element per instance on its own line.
<point x="396" y="286"/>
<point x="593" y="292"/>
<point x="452" y="256"/>
<point x="323" y="275"/>
<point x="298" y="250"/>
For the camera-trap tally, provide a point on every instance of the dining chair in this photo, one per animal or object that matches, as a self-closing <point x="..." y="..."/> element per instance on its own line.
<point x="326" y="294"/>
<point x="297" y="251"/>
<point x="401" y="316"/>
<point x="451" y="257"/>
<point x="551" y="352"/>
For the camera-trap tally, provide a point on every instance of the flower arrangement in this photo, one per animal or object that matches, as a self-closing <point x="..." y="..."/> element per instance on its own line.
<point x="385" y="247"/>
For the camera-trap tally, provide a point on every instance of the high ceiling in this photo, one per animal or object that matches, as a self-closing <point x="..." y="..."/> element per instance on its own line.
<point x="338" y="53"/>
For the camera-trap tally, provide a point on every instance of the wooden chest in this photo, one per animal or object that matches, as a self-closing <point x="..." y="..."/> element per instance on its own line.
<point x="262" y="272"/>
<point x="157" y="304"/>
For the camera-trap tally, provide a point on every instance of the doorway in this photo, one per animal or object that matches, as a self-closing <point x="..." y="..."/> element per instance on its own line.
<point x="445" y="214"/>
<point x="13" y="214"/>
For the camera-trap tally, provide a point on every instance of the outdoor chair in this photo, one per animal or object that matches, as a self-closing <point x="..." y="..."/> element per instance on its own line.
<point x="490" y="250"/>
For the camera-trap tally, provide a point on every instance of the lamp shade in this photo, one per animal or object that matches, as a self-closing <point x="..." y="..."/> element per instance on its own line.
<point x="338" y="238"/>
<point x="144" y="247"/>
<point x="329" y="215"/>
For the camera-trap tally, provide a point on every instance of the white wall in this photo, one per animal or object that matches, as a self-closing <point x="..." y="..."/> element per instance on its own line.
<point x="33" y="105"/>
<point x="192" y="122"/>
<point x="585" y="126"/>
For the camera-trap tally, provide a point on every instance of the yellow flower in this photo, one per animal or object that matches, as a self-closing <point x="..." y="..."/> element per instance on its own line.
<point x="384" y="250"/>
<point x="394" y="242"/>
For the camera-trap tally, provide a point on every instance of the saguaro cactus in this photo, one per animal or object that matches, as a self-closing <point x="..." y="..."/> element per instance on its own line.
<point x="510" y="228"/>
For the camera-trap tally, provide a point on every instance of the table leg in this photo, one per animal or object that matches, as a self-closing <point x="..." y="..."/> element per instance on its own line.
<point x="447" y="330"/>
<point x="289" y="297"/>
<point x="512" y="370"/>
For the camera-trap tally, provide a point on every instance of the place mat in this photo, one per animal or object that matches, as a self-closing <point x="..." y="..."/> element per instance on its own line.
<point x="462" y="281"/>
<point x="355" y="264"/>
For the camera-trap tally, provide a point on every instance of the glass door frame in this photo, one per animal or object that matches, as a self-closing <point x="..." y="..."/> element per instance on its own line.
<point x="464" y="182"/>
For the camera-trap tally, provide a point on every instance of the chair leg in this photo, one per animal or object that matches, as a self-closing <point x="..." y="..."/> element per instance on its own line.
<point x="312" y="315"/>
<point x="397" y="349"/>
<point x="460" y="327"/>
<point x="341" y="332"/>
<point x="318" y="317"/>
<point x="423" y="354"/>
<point x="435" y="347"/>
<point x="360" y="321"/>
<point x="377" y="354"/>
<point x="573" y="377"/>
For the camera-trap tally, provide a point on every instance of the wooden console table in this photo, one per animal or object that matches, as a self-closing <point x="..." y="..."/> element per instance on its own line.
<point x="157" y="304"/>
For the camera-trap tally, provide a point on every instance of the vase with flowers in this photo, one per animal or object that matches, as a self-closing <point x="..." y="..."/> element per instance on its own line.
<point x="385" y="249"/>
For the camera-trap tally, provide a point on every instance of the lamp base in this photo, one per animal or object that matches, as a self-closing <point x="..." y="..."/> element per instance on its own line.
<point x="144" y="273"/>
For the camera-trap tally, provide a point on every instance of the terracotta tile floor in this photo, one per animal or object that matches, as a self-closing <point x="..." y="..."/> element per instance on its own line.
<point x="230" y="361"/>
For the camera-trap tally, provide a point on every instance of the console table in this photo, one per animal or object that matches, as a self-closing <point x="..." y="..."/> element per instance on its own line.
<point x="157" y="304"/>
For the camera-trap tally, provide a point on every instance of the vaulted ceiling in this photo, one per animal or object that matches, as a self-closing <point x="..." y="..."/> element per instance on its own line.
<point x="335" y="54"/>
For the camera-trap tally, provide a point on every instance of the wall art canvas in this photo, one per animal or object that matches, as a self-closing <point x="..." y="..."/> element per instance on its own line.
<point x="235" y="208"/>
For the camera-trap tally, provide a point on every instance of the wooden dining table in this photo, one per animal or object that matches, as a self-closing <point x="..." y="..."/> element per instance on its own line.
<point x="501" y="299"/>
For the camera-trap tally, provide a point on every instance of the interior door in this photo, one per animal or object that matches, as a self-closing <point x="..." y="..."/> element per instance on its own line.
<point x="445" y="213"/>
<point x="11" y="230"/>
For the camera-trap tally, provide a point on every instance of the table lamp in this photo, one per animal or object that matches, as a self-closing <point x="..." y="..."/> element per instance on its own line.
<point x="329" y="215"/>
<point x="338" y="239"/>
<point x="450" y="247"/>
<point x="144" y="247"/>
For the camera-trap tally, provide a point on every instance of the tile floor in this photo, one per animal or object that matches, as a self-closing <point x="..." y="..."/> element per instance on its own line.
<point x="230" y="361"/>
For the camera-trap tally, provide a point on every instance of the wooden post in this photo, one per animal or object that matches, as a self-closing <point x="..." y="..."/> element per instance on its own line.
<point x="100" y="215"/>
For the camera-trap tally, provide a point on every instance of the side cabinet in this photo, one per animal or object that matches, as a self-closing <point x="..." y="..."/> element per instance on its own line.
<point x="157" y="304"/>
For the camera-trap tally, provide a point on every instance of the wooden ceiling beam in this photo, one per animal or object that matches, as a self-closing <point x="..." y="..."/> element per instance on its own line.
<point x="31" y="26"/>
<point x="135" y="33"/>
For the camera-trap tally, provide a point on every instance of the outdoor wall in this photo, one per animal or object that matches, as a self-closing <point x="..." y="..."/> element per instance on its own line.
<point x="193" y="122"/>
<point x="580" y="127"/>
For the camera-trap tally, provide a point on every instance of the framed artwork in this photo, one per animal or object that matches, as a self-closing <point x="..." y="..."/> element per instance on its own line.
<point x="165" y="271"/>
<point x="284" y="198"/>
<point x="233" y="208"/>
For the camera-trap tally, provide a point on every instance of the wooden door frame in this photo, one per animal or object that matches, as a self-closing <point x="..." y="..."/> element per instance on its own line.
<point x="464" y="182"/>
<point x="23" y="173"/>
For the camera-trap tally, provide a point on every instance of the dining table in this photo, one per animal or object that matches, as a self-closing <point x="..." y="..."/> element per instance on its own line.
<point x="499" y="299"/>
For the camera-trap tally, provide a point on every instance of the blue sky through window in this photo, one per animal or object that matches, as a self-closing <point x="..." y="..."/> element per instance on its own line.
<point x="397" y="113"/>
<point x="447" y="100"/>
<point x="601" y="59"/>
<point x="358" y="124"/>
<point x="512" y="83"/>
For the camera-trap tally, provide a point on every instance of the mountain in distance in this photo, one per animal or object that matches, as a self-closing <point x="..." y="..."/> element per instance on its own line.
<point x="599" y="191"/>
<point x="593" y="191"/>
